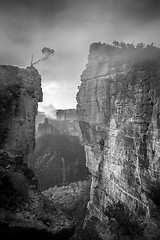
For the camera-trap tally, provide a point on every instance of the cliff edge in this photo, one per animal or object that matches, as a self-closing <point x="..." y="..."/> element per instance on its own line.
<point x="119" y="115"/>
<point x="19" y="96"/>
<point x="24" y="211"/>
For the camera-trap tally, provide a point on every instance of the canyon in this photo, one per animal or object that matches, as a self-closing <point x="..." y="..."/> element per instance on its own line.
<point x="118" y="109"/>
<point x="119" y="116"/>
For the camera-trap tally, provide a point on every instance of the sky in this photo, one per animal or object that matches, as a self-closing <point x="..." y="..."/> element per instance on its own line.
<point x="70" y="27"/>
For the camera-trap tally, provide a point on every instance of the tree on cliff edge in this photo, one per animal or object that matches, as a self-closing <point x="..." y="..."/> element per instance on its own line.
<point x="48" y="52"/>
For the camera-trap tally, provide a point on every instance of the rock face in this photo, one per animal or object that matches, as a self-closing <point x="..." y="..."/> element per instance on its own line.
<point x="20" y="93"/>
<point x="62" y="126"/>
<point x="24" y="212"/>
<point x="119" y="116"/>
<point x="65" y="122"/>
<point x="66" y="114"/>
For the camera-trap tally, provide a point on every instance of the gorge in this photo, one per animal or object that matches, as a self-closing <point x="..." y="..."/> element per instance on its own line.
<point x="118" y="109"/>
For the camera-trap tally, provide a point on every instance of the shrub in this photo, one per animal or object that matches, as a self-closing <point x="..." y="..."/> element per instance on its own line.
<point x="154" y="193"/>
<point x="122" y="221"/>
<point x="13" y="188"/>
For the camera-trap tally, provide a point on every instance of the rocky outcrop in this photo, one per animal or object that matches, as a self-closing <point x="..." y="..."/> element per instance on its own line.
<point x="23" y="209"/>
<point x="118" y="110"/>
<point x="20" y="93"/>
<point x="19" y="96"/>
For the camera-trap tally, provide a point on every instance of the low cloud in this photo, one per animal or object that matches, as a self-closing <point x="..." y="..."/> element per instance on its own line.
<point x="50" y="111"/>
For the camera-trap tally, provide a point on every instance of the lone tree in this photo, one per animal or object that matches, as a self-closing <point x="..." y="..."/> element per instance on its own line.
<point x="48" y="52"/>
<point x="116" y="43"/>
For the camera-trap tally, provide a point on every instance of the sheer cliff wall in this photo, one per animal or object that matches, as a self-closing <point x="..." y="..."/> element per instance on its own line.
<point x="24" y="211"/>
<point x="119" y="115"/>
<point x="19" y="96"/>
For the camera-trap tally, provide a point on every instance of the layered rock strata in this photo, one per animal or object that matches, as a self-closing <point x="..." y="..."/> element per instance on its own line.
<point x="119" y="115"/>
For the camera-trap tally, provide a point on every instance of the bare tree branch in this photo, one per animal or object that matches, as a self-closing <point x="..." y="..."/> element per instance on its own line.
<point x="48" y="53"/>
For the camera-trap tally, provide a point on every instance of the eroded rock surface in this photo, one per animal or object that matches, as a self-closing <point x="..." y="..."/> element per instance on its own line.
<point x="22" y="207"/>
<point x="119" y="115"/>
<point x="20" y="93"/>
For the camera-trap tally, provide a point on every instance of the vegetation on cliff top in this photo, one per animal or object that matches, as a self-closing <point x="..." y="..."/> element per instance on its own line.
<point x="72" y="199"/>
<point x="139" y="52"/>
<point x="48" y="52"/>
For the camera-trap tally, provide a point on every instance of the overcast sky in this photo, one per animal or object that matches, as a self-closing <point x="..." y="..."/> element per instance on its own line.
<point x="69" y="27"/>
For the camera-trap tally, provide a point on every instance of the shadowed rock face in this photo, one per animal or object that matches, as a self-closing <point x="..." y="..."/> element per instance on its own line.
<point x="118" y="111"/>
<point x="61" y="126"/>
<point x="20" y="91"/>
<point x="24" y="211"/>
<point x="41" y="234"/>
<point x="19" y="96"/>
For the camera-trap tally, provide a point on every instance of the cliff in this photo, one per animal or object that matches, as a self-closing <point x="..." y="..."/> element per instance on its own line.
<point x="23" y="209"/>
<point x="66" y="114"/>
<point x="118" y="110"/>
<point x="20" y="93"/>
<point x="40" y="118"/>
<point x="65" y="123"/>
